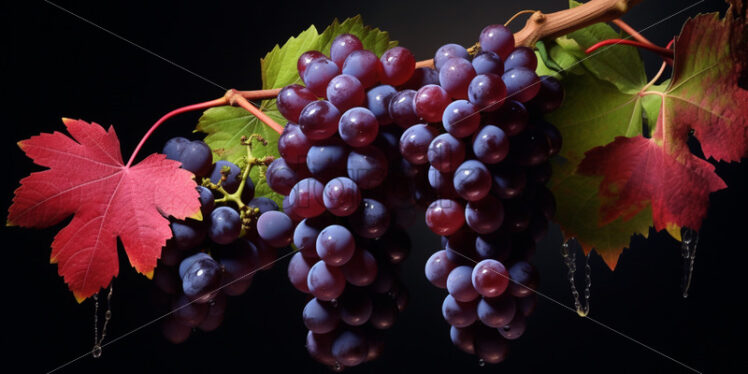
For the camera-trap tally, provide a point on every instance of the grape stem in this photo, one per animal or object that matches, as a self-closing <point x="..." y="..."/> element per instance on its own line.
<point x="184" y="109"/>
<point x="521" y="12"/>
<point x="664" y="52"/>
<point x="237" y="99"/>
<point x="251" y="161"/>
<point x="232" y="97"/>
<point x="625" y="27"/>
<point x="658" y="75"/>
<point x="636" y="35"/>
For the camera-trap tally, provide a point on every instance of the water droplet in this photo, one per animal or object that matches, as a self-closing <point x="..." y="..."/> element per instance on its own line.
<point x="96" y="351"/>
<point x="689" y="241"/>
<point x="337" y="366"/>
<point x="507" y="328"/>
<point x="108" y="314"/>
<point x="481" y="362"/>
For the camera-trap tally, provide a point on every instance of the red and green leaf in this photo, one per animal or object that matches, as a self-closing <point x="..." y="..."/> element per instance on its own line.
<point x="613" y="181"/>
<point x="86" y="178"/>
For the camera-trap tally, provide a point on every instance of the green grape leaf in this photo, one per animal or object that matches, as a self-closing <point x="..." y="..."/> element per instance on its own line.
<point x="578" y="210"/>
<point x="618" y="64"/>
<point x="566" y="60"/>
<point x="279" y="65"/>
<point x="594" y="113"/>
<point x="225" y="127"/>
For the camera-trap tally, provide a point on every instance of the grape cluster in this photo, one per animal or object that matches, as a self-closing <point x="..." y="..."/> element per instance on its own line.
<point x="486" y="146"/>
<point x="340" y="171"/>
<point x="209" y="259"/>
<point x="349" y="330"/>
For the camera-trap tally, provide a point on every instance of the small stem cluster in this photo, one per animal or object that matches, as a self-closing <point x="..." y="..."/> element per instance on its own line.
<point x="247" y="213"/>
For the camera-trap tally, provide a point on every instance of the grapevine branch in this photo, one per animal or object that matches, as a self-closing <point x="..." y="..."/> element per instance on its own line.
<point x="538" y="26"/>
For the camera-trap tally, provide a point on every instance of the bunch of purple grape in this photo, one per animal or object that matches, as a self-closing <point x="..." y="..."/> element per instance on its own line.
<point x="487" y="148"/>
<point x="207" y="260"/>
<point x="349" y="330"/>
<point x="339" y="171"/>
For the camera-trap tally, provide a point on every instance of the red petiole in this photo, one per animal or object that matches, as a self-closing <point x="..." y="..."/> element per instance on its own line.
<point x="232" y="97"/>
<point x="664" y="52"/>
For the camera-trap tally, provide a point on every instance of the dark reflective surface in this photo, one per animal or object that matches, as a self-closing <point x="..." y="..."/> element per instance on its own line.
<point x="57" y="66"/>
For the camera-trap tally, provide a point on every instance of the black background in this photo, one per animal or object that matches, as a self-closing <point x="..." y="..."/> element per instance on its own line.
<point x="55" y="65"/>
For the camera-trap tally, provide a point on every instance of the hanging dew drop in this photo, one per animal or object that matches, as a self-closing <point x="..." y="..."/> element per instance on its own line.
<point x="481" y="362"/>
<point x="96" y="351"/>
<point x="689" y="241"/>
<point x="569" y="257"/>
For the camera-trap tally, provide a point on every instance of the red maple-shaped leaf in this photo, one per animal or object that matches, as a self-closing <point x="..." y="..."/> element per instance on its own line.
<point x="87" y="178"/>
<point x="703" y="96"/>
